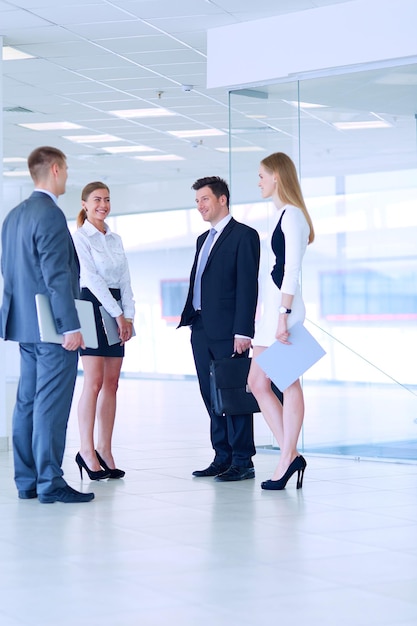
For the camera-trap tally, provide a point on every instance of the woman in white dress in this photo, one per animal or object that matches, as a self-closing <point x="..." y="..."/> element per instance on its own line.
<point x="283" y="307"/>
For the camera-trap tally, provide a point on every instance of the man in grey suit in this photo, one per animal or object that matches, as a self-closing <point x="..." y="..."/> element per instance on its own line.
<point x="38" y="256"/>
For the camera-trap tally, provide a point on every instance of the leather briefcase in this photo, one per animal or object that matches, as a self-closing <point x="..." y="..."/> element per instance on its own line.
<point x="230" y="394"/>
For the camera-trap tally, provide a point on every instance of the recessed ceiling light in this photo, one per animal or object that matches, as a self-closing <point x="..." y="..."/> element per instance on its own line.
<point x="241" y="149"/>
<point x="52" y="126"/>
<point x="132" y="113"/>
<point x="14" y="160"/>
<point x="257" y="117"/>
<point x="16" y="173"/>
<point x="203" y="132"/>
<point x="11" y="54"/>
<point x="92" y="138"/>
<point x="127" y="149"/>
<point x="160" y="157"/>
<point x="305" y="105"/>
<point x="362" y="125"/>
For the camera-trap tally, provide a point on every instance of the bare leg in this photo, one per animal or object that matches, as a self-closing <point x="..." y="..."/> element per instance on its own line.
<point x="293" y="417"/>
<point x="106" y="408"/>
<point x="271" y="407"/>
<point x="285" y="421"/>
<point x="93" y="379"/>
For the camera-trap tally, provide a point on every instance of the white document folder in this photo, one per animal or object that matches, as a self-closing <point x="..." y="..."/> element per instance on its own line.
<point x="284" y="363"/>
<point x="47" y="329"/>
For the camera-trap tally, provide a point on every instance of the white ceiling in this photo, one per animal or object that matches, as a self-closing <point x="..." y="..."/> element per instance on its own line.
<point x="95" y="56"/>
<point x="92" y="57"/>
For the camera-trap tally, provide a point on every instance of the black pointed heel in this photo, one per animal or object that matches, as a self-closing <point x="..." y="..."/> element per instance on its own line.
<point x="113" y="473"/>
<point x="99" y="475"/>
<point x="298" y="465"/>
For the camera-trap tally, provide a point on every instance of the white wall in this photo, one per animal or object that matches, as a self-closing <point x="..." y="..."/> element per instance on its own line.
<point x="349" y="34"/>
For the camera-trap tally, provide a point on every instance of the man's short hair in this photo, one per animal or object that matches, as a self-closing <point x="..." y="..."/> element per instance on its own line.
<point x="218" y="186"/>
<point x="41" y="159"/>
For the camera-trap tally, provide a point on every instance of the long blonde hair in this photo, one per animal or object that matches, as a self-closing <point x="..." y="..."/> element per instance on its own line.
<point x="86" y="192"/>
<point x="289" y="190"/>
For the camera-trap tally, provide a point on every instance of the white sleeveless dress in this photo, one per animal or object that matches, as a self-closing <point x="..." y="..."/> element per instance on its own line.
<point x="295" y="230"/>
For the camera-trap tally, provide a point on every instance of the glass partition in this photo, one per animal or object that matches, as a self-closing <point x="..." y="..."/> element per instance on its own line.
<point x="353" y="139"/>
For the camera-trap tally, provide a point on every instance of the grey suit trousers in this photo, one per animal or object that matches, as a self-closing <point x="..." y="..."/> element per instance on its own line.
<point x="40" y="418"/>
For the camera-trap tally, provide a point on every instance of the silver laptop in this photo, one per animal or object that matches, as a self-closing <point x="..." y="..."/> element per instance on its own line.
<point x="47" y="329"/>
<point x="110" y="327"/>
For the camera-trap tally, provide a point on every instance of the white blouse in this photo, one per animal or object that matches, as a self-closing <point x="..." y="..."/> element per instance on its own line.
<point x="103" y="265"/>
<point x="296" y="233"/>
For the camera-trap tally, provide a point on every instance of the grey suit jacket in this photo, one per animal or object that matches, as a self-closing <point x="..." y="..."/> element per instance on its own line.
<point x="38" y="256"/>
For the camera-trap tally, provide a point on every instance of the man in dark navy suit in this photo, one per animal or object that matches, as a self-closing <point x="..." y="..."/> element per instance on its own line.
<point x="38" y="256"/>
<point x="220" y="309"/>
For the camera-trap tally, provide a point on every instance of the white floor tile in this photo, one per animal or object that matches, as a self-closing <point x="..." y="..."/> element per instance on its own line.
<point x="162" y="547"/>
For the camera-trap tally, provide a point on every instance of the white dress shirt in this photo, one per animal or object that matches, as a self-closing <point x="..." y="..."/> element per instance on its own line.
<point x="103" y="265"/>
<point x="219" y="229"/>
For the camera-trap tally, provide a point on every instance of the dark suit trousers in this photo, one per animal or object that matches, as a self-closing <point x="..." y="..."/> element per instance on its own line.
<point x="44" y="396"/>
<point x="231" y="436"/>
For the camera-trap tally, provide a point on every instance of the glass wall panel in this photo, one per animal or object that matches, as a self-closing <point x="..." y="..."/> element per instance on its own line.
<point x="353" y="139"/>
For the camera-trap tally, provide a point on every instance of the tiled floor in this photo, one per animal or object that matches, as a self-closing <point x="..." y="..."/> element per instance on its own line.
<point x="160" y="547"/>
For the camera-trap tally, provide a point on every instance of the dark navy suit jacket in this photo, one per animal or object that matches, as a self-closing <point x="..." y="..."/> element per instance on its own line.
<point x="38" y="257"/>
<point x="229" y="285"/>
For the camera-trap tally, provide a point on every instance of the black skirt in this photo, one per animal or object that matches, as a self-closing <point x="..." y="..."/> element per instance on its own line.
<point x="103" y="347"/>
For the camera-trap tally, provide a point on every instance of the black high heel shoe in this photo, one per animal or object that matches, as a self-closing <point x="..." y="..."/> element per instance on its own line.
<point x="100" y="474"/>
<point x="113" y="473"/>
<point x="298" y="465"/>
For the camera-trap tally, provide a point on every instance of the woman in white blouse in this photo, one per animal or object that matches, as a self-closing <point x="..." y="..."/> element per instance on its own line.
<point x="283" y="307"/>
<point x="104" y="280"/>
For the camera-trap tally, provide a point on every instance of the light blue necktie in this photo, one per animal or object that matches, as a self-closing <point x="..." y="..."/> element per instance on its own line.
<point x="203" y="262"/>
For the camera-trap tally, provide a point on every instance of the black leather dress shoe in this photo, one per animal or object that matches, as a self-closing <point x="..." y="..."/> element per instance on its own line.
<point x="211" y="470"/>
<point x="65" y="494"/>
<point x="236" y="473"/>
<point x="28" y="494"/>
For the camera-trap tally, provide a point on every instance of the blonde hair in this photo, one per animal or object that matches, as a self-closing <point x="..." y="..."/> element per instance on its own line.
<point x="289" y="190"/>
<point x="85" y="194"/>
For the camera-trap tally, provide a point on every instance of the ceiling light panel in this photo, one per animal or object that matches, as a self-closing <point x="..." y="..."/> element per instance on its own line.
<point x="16" y="174"/>
<point x="127" y="149"/>
<point x="160" y="157"/>
<point x="143" y="112"/>
<point x="51" y="126"/>
<point x="241" y="149"/>
<point x="364" y="125"/>
<point x="92" y="138"/>
<point x="12" y="54"/>
<point x="202" y="132"/>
